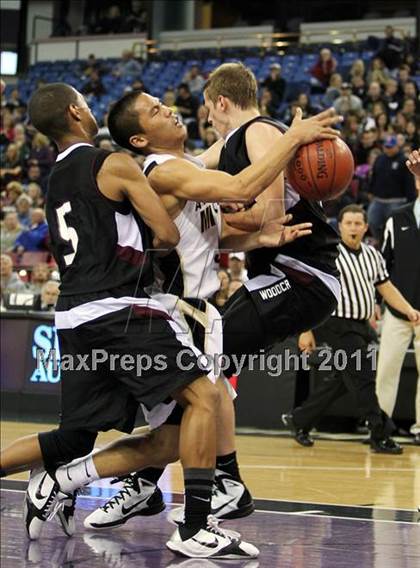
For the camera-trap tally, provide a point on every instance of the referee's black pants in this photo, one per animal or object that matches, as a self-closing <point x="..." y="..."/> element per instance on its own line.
<point x="351" y="338"/>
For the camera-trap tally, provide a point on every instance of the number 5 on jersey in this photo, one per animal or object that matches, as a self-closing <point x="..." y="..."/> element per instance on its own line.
<point x="67" y="233"/>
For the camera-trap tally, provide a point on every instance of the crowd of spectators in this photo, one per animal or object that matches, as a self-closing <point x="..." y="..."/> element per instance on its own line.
<point x="379" y="102"/>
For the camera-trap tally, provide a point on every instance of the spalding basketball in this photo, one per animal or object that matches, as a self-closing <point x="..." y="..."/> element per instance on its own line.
<point x="321" y="170"/>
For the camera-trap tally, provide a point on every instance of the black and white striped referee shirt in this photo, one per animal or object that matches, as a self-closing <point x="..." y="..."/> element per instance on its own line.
<point x="360" y="271"/>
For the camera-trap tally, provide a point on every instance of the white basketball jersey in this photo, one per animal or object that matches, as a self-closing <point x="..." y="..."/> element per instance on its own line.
<point x="190" y="271"/>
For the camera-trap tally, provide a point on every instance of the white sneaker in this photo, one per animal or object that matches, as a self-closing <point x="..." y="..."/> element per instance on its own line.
<point x="137" y="497"/>
<point x="230" y="500"/>
<point x="211" y="542"/>
<point x="42" y="501"/>
<point x="65" y="514"/>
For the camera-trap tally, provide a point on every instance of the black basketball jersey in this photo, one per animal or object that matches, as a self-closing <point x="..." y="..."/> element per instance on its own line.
<point x="98" y="244"/>
<point x="319" y="249"/>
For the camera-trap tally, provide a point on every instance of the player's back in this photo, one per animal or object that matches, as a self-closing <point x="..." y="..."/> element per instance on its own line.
<point x="99" y="244"/>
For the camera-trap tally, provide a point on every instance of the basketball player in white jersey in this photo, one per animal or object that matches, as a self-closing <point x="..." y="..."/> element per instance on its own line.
<point x="141" y="123"/>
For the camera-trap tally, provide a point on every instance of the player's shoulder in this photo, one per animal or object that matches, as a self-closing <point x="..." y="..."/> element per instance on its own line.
<point x="122" y="165"/>
<point x="266" y="130"/>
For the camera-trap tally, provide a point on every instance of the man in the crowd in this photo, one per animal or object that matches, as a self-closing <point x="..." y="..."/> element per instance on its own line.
<point x="10" y="230"/>
<point x="391" y="185"/>
<point x="275" y="83"/>
<point x="35" y="238"/>
<point x="9" y="280"/>
<point x="40" y="275"/>
<point x="47" y="300"/>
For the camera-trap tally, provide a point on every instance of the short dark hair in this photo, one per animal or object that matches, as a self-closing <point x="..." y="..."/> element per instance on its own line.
<point x="352" y="208"/>
<point x="48" y="109"/>
<point x="123" y="121"/>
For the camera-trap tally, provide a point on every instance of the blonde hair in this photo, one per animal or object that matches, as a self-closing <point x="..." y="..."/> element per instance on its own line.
<point x="234" y="81"/>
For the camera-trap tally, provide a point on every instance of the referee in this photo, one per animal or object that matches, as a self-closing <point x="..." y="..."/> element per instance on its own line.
<point x="349" y="334"/>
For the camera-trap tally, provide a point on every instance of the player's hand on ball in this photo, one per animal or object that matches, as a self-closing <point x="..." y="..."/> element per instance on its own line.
<point x="413" y="163"/>
<point x="276" y="233"/>
<point x="317" y="127"/>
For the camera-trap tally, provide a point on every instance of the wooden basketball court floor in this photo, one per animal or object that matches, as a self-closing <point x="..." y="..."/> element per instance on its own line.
<point x="330" y="506"/>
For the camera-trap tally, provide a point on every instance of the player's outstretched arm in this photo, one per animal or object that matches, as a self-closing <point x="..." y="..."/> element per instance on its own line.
<point x="186" y="181"/>
<point x="211" y="156"/>
<point x="119" y="177"/>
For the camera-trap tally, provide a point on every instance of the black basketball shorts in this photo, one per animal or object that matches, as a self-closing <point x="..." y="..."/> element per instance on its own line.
<point x="116" y="353"/>
<point x="269" y="308"/>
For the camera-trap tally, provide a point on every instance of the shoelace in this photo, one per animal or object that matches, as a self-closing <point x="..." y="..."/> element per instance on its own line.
<point x="213" y="527"/>
<point x="122" y="494"/>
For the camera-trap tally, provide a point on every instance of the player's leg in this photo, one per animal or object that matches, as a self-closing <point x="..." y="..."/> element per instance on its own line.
<point x="415" y="429"/>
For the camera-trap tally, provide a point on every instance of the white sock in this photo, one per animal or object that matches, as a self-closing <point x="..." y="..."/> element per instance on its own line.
<point x="76" y="474"/>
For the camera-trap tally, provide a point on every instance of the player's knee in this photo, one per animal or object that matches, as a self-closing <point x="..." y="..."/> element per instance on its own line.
<point x="62" y="446"/>
<point x="209" y="398"/>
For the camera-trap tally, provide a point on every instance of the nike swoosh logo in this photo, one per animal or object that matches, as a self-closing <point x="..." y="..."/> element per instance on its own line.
<point x="215" y="511"/>
<point x="38" y="493"/>
<point x="404" y="228"/>
<point x="213" y="544"/>
<point x="202" y="499"/>
<point x="126" y="510"/>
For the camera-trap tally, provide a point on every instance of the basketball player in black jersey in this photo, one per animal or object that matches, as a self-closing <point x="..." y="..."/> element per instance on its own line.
<point x="296" y="287"/>
<point x="100" y="211"/>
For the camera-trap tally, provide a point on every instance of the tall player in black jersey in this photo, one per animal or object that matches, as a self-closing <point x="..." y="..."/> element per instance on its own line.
<point x="291" y="289"/>
<point x="100" y="210"/>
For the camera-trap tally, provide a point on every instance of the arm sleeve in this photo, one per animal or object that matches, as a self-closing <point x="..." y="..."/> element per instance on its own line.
<point x="382" y="272"/>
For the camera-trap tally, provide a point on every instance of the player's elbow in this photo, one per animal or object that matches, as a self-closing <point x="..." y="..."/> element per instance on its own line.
<point x="240" y="191"/>
<point x="167" y="237"/>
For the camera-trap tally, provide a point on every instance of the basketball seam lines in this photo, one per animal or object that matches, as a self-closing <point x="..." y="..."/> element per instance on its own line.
<point x="310" y="168"/>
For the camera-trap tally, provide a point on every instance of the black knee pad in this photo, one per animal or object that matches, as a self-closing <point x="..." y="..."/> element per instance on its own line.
<point x="63" y="446"/>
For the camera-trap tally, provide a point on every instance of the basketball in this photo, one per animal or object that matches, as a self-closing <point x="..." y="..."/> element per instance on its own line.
<point x="322" y="170"/>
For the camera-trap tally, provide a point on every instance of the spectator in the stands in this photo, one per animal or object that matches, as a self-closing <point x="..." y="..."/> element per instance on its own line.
<point x="357" y="69"/>
<point x="383" y="125"/>
<point x="136" y="19"/>
<point x="391" y="50"/>
<point x="374" y="95"/>
<point x="347" y="102"/>
<point x="128" y="65"/>
<point x="42" y="153"/>
<point x="304" y="102"/>
<point x="9" y="232"/>
<point x="7" y="126"/>
<point x="194" y="79"/>
<point x="112" y="22"/>
<point x="391" y="186"/>
<point x="358" y="86"/>
<point x="366" y="144"/>
<point x="351" y="129"/>
<point x="289" y="112"/>
<point x="13" y="190"/>
<point x="323" y="68"/>
<point x="168" y="100"/>
<point x="35" y="238"/>
<point x="92" y="64"/>
<point x="410" y="90"/>
<point x="237" y="269"/>
<point x="23" y="210"/>
<point x="39" y="276"/>
<point x="21" y="140"/>
<point x="47" y="300"/>
<point x="403" y="77"/>
<point x="333" y="90"/>
<point x="34" y="175"/>
<point x="35" y="193"/>
<point x="93" y="85"/>
<point x="210" y="137"/>
<point x="378" y="72"/>
<point x="409" y="108"/>
<point x="187" y="107"/>
<point x="275" y="83"/>
<point x="9" y="280"/>
<point x="412" y="134"/>
<point x="11" y="166"/>
<point x="391" y="96"/>
<point x="13" y="101"/>
<point x="266" y="105"/>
